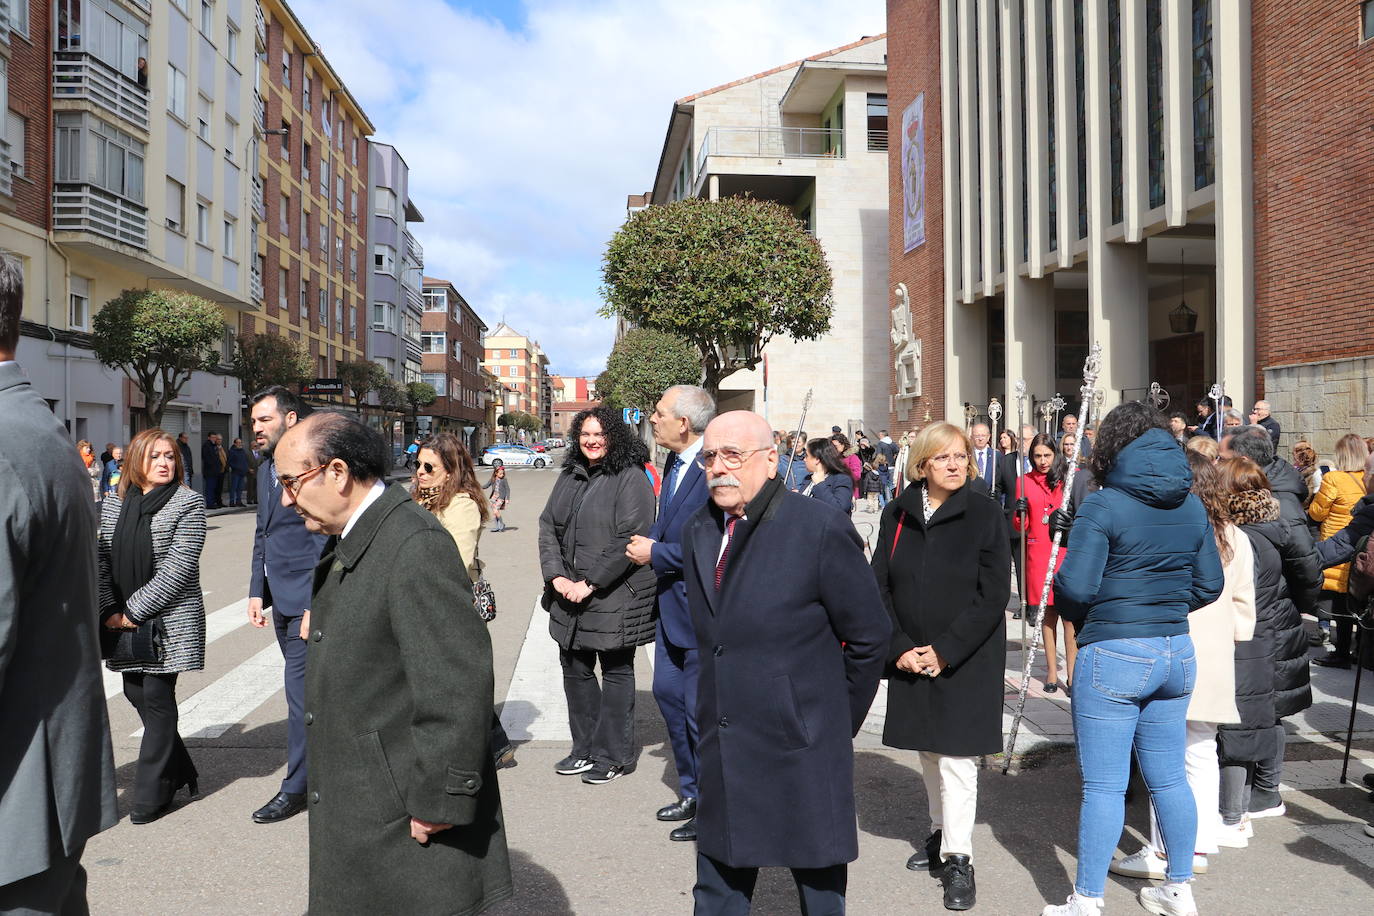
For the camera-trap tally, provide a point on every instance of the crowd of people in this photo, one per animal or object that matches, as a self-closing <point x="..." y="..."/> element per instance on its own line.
<point x="1174" y="566"/>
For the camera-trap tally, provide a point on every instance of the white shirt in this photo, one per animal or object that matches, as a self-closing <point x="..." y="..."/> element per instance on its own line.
<point x="725" y="536"/>
<point x="378" y="488"/>
<point x="7" y="362"/>
<point x="685" y="458"/>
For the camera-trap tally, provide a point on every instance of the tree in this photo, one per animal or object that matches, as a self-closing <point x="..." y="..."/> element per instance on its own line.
<point x="158" y="337"/>
<point x="417" y="395"/>
<point x="642" y="365"/>
<point x="269" y="359"/>
<point x="506" y="421"/>
<point x="727" y="275"/>
<point x="527" y="422"/>
<point x="362" y="377"/>
<point x="389" y="394"/>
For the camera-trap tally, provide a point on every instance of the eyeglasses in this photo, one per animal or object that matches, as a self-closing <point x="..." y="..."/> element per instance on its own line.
<point x="959" y="459"/>
<point x="428" y="468"/>
<point x="292" y="483"/>
<point x="731" y="458"/>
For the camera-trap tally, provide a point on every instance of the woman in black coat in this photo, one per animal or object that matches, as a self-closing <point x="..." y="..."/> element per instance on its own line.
<point x="1272" y="677"/>
<point x="830" y="480"/>
<point x="600" y="604"/>
<point x="943" y="564"/>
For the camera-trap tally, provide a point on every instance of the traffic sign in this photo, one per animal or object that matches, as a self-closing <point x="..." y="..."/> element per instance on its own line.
<point x="632" y="415"/>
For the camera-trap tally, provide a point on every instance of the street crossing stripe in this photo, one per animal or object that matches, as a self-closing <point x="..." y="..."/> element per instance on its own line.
<point x="225" y="702"/>
<point x="536" y="708"/>
<point x="219" y="623"/>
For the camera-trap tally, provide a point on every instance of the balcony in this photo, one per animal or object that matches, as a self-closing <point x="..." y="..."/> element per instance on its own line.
<point x="413" y="251"/>
<point x="78" y="76"/>
<point x="6" y="11"/>
<point x="260" y="21"/>
<point x="414" y="300"/>
<point x="81" y="208"/>
<point x="259" y="203"/>
<point x="771" y="143"/>
<point x="255" y="284"/>
<point x="259" y="112"/>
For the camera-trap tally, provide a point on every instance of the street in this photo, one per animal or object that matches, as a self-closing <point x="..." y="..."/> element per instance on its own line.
<point x="586" y="849"/>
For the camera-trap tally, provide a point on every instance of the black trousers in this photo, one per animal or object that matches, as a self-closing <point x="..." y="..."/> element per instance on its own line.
<point x="60" y="889"/>
<point x="293" y="650"/>
<point x="163" y="763"/>
<point x="497" y="740"/>
<point x="601" y="715"/>
<point x="723" y="890"/>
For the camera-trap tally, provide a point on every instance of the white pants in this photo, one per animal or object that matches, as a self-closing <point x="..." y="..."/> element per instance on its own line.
<point x="952" y="790"/>
<point x="1204" y="778"/>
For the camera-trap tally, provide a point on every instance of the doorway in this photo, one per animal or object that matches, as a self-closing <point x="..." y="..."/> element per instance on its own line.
<point x="1180" y="366"/>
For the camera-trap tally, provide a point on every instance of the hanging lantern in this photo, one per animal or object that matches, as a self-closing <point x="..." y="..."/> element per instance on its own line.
<point x="1182" y="320"/>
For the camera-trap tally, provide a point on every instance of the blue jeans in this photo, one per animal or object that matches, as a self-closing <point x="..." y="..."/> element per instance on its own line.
<point x="1133" y="693"/>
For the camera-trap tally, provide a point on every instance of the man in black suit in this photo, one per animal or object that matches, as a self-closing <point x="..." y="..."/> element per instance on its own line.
<point x="188" y="467"/>
<point x="679" y="419"/>
<point x="284" y="559"/>
<point x="779" y="590"/>
<point x="57" y="775"/>
<point x="211" y="471"/>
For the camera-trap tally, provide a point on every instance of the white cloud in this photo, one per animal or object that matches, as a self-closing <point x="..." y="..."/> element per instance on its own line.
<point x="523" y="145"/>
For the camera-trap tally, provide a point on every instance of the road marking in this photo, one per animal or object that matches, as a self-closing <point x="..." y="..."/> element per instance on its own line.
<point x="536" y="708"/>
<point x="219" y="623"/>
<point x="212" y="711"/>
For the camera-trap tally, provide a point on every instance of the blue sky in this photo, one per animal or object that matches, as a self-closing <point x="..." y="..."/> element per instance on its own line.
<point x="526" y="124"/>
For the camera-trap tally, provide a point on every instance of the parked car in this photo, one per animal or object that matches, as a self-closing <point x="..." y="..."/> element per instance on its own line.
<point x="512" y="456"/>
<point x="555" y="442"/>
<point x="538" y="447"/>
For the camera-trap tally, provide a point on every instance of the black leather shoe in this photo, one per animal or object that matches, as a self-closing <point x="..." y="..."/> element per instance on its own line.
<point x="1369" y="780"/>
<point x="148" y="815"/>
<point x="282" y="806"/>
<point x="684" y="834"/>
<point x="1333" y="660"/>
<point x="957" y="877"/>
<point x="683" y="809"/>
<point x="927" y="854"/>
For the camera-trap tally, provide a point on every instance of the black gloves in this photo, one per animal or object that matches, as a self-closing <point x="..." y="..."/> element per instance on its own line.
<point x="1060" y="523"/>
<point x="1022" y="506"/>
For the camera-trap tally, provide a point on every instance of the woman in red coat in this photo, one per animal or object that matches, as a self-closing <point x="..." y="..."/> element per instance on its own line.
<point x="1041" y="492"/>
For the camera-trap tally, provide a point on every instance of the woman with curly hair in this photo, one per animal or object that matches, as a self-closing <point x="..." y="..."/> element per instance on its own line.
<point x="600" y="603"/>
<point x="1142" y="558"/>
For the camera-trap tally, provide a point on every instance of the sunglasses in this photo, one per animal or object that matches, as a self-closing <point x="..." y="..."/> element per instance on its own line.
<point x="428" y="468"/>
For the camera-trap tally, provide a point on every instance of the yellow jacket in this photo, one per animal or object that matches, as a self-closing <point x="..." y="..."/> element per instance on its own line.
<point x="1332" y="506"/>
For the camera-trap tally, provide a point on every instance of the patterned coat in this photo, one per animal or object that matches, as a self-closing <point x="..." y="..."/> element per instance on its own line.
<point x="174" y="591"/>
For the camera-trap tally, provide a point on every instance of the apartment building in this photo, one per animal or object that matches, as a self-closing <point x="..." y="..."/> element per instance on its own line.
<point x="1181" y="181"/>
<point x="572" y="387"/>
<point x="812" y="136"/>
<point x="523" y="368"/>
<point x="310" y="192"/>
<point x="138" y="169"/>
<point x="451" y="334"/>
<point x="398" y="263"/>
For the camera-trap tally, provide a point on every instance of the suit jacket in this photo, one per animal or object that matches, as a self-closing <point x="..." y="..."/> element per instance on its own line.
<point x="57" y="777"/>
<point x="209" y="459"/>
<point x="666" y="556"/>
<point x="283" y="544"/>
<point x="398" y="699"/>
<point x="798" y="633"/>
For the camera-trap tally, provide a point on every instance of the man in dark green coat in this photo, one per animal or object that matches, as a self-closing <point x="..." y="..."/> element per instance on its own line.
<point x="405" y="813"/>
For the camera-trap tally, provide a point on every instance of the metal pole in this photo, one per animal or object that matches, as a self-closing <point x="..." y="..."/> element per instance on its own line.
<point x="994" y="414"/>
<point x="1091" y="368"/>
<point x="1021" y="448"/>
<point x="806" y="405"/>
<point x="1214" y="394"/>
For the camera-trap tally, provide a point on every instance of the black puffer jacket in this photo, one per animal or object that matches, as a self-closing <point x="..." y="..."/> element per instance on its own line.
<point x="1272" y="677"/>
<point x="590" y="544"/>
<point x="1289" y="489"/>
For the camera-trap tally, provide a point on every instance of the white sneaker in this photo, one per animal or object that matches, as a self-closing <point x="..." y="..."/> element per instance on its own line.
<point x="1369" y="829"/>
<point x="1234" y="836"/>
<point x="1144" y="864"/>
<point x="1278" y="810"/>
<point x="1076" y="905"/>
<point x="1169" y="900"/>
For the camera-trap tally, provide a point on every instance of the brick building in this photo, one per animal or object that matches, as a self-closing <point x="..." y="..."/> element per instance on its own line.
<point x="523" y="368"/>
<point x="451" y="334"/>
<point x="311" y="197"/>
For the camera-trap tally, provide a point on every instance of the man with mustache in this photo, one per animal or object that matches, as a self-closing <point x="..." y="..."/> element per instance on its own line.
<point x="791" y="633"/>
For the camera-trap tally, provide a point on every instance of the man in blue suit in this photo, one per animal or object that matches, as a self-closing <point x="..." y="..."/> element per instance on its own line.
<point x="679" y="419"/>
<point x="284" y="559"/>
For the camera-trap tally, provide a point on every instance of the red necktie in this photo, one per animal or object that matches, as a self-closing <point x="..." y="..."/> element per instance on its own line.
<point x="724" y="554"/>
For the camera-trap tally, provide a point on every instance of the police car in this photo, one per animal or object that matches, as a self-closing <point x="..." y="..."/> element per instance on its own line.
<point x="513" y="456"/>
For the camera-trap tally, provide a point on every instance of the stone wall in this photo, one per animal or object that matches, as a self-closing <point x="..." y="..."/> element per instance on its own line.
<point x="1322" y="401"/>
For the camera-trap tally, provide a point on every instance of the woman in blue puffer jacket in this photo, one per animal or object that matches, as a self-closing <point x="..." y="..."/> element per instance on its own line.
<point x="1143" y="558"/>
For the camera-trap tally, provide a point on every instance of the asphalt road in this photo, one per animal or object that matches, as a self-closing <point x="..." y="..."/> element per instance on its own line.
<point x="598" y="850"/>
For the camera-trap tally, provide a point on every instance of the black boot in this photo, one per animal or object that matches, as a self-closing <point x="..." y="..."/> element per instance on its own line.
<point x="957" y="878"/>
<point x="928" y="856"/>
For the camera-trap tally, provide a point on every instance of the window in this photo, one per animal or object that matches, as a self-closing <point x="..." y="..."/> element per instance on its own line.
<point x="436" y="380"/>
<point x="326" y="119"/>
<point x="384" y="203"/>
<point x="305" y="89"/>
<point x="19" y="17"/>
<point x="16" y="129"/>
<point x="305" y="231"/>
<point x="352" y="265"/>
<point x="283" y="284"/>
<point x="203" y="223"/>
<point x="102" y="29"/>
<point x="338" y="252"/>
<point x="324" y="235"/>
<point x="436" y="300"/>
<point x="355" y="149"/>
<point x="230" y="247"/>
<point x="231" y="47"/>
<point x="352" y="320"/>
<point x="79" y="311"/>
<point x="338" y="312"/>
<point x="305" y="160"/>
<point x="383" y="316"/>
<point x="286" y="68"/>
<point x="432" y="342"/>
<point x="89" y="151"/>
<point x="304" y="300"/>
<point x="1367" y="20"/>
<point x="1204" y="152"/>
<point x="203" y="119"/>
<point x="283" y="219"/>
<point x="514" y="354"/>
<point x="458" y="350"/>
<point x="352" y="204"/>
<point x="231" y="131"/>
<point x="176" y="206"/>
<point x="877" y="121"/>
<point x="180" y="4"/>
<point x="324" y="175"/>
<point x="338" y="191"/>
<point x="284" y="140"/>
<point x="324" y="306"/>
<point x="207" y="18"/>
<point x="384" y="259"/>
<point x="176" y="92"/>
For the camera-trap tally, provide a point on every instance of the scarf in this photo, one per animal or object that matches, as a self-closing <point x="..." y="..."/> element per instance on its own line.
<point x="426" y="496"/>
<point x="131" y="550"/>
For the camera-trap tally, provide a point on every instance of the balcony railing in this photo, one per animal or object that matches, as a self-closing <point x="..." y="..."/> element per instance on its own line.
<point x="413" y="298"/>
<point x="255" y="284"/>
<point x="259" y="204"/>
<point x="82" y="208"/>
<point x="413" y="249"/>
<point x="261" y="23"/>
<point x="78" y="75"/>
<point x="6" y="168"/>
<point x="6" y="11"/>
<point x="772" y="143"/>
<point x="260" y="112"/>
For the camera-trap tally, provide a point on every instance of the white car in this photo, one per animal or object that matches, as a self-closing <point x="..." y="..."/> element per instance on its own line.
<point x="513" y="456"/>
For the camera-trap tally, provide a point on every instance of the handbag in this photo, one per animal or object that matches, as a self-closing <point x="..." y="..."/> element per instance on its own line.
<point x="146" y="644"/>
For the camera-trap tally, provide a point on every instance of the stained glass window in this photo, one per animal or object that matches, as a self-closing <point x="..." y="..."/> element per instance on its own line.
<point x="1154" y="97"/>
<point x="1114" y="103"/>
<point x="1049" y="72"/>
<point x="1080" y="92"/>
<point x="1204" y="151"/>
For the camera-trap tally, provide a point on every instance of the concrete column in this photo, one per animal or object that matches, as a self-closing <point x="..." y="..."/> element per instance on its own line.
<point x="1038" y="87"/>
<point x="1065" y="132"/>
<point x="988" y="136"/>
<point x="713" y="187"/>
<point x="1177" y="42"/>
<point x="1231" y="93"/>
<point x="968" y="152"/>
<point x="1118" y="276"/>
<point x="950" y="147"/>
<point x="1135" y="123"/>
